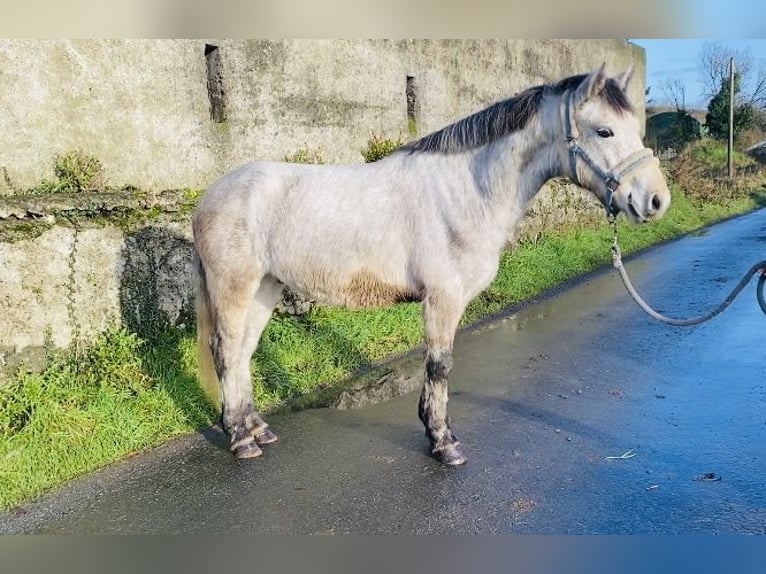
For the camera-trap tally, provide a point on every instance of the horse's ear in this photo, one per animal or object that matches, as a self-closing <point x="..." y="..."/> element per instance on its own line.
<point x="592" y="85"/>
<point x="624" y="79"/>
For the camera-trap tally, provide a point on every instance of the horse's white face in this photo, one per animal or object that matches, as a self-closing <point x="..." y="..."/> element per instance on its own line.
<point x="610" y="134"/>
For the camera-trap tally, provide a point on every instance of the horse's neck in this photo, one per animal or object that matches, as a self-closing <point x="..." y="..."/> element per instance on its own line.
<point x="514" y="169"/>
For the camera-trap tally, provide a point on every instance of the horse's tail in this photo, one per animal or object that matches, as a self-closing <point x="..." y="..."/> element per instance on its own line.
<point x="207" y="375"/>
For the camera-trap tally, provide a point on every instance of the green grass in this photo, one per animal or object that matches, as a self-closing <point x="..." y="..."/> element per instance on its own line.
<point x="712" y="155"/>
<point x="90" y="409"/>
<point x="125" y="394"/>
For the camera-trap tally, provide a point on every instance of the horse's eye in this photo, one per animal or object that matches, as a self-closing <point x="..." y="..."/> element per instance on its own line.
<point x="605" y="132"/>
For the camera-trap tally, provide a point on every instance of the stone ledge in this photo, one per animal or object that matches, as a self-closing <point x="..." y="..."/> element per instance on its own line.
<point x="32" y="207"/>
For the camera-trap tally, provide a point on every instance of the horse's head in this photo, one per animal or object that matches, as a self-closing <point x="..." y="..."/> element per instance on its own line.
<point x="604" y="150"/>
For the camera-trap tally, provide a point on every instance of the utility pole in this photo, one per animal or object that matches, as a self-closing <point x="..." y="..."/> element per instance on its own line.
<point x="730" y="147"/>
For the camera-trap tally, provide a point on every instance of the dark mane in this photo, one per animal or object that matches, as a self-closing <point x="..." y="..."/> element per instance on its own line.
<point x="612" y="93"/>
<point x="507" y="116"/>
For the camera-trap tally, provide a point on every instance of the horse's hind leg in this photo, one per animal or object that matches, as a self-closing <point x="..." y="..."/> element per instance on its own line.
<point x="240" y="314"/>
<point x="268" y="294"/>
<point x="441" y="314"/>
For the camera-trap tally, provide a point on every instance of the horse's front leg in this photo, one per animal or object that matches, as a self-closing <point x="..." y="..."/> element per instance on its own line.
<point x="441" y="314"/>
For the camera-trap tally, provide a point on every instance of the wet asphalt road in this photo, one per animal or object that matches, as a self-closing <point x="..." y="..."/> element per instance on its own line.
<point x="539" y="400"/>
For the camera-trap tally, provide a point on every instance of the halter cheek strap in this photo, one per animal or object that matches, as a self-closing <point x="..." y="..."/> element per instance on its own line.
<point x="612" y="178"/>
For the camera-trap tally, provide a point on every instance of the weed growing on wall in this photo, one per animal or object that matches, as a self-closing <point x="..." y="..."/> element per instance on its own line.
<point x="379" y="147"/>
<point x="76" y="172"/>
<point x="305" y="155"/>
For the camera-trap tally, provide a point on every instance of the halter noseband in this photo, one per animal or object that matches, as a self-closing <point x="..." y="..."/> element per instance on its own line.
<point x="612" y="178"/>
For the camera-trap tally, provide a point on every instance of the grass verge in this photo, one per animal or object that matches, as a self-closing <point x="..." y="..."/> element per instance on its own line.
<point x="125" y="394"/>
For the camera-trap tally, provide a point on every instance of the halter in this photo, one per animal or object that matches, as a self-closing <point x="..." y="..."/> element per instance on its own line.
<point x="612" y="178"/>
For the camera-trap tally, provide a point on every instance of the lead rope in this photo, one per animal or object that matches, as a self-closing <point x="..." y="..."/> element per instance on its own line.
<point x="759" y="267"/>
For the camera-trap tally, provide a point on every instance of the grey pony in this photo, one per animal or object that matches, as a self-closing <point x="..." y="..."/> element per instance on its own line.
<point x="427" y="223"/>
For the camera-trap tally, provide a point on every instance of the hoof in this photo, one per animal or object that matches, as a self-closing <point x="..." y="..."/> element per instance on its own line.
<point x="265" y="436"/>
<point x="451" y="454"/>
<point x="246" y="449"/>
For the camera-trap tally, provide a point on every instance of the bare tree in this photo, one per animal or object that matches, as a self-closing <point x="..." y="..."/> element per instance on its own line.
<point x="714" y="68"/>
<point x="758" y="97"/>
<point x="675" y="91"/>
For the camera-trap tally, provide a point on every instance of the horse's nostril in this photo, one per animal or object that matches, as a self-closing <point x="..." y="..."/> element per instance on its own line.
<point x="656" y="202"/>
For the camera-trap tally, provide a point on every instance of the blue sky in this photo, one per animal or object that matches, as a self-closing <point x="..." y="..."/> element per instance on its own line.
<point x="679" y="58"/>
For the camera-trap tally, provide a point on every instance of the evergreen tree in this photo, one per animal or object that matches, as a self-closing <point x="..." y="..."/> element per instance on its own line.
<point x="717" y="119"/>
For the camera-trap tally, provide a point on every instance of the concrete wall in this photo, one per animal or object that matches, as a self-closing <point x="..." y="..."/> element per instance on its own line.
<point x="142" y="106"/>
<point x="72" y="265"/>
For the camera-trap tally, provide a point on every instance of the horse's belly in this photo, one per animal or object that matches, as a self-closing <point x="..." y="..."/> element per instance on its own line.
<point x="361" y="289"/>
